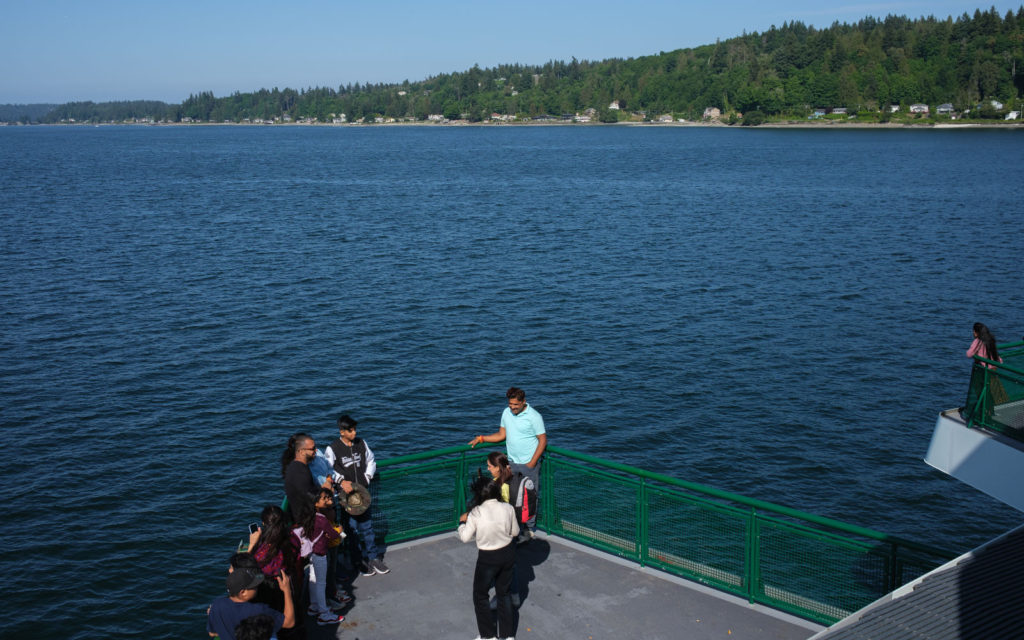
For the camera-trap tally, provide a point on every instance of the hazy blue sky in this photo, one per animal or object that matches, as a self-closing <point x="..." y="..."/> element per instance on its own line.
<point x="63" y="50"/>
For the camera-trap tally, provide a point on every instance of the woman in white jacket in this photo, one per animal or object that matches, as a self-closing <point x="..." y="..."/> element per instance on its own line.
<point x="493" y="524"/>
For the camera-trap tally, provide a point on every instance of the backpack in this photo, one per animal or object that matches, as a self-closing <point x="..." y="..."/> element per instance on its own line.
<point x="523" y="496"/>
<point x="305" y="544"/>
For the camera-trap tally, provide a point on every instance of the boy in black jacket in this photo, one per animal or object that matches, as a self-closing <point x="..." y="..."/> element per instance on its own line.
<point x="353" y="464"/>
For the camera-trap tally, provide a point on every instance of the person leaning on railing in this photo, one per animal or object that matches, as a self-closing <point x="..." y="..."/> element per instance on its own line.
<point x="984" y="346"/>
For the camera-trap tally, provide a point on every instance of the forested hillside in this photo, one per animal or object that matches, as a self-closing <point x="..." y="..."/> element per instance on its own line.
<point x="790" y="70"/>
<point x="24" y="112"/>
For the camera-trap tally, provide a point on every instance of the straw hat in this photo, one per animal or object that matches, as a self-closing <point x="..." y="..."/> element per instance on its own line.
<point x="357" y="502"/>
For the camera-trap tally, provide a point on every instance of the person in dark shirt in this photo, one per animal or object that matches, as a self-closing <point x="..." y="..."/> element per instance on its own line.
<point x="298" y="481"/>
<point x="259" y="627"/>
<point x="227" y="611"/>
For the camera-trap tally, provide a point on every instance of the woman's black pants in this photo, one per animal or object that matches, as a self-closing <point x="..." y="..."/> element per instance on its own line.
<point x="494" y="567"/>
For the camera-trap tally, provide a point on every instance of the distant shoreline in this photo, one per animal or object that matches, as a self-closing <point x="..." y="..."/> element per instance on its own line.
<point x="817" y="124"/>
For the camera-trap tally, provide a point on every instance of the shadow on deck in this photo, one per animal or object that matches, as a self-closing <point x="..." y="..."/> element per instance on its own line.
<point x="568" y="591"/>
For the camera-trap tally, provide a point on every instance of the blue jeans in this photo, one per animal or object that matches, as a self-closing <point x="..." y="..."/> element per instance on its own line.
<point x="362" y="526"/>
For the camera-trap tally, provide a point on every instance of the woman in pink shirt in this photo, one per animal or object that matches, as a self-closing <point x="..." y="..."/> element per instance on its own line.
<point x="984" y="344"/>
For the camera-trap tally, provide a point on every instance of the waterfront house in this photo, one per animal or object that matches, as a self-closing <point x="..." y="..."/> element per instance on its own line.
<point x="944" y="109"/>
<point x="919" y="108"/>
<point x="712" y="112"/>
<point x="1013" y="115"/>
<point x="614" y="105"/>
<point x="667" y="117"/>
<point x="839" y="110"/>
<point x="893" y="108"/>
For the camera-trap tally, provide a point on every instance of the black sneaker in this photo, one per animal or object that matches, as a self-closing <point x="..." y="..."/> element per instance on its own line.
<point x="378" y="566"/>
<point x="366" y="568"/>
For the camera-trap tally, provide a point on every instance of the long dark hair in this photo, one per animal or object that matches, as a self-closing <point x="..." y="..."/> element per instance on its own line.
<point x="275" y="534"/>
<point x="289" y="454"/>
<point x="483" y="488"/>
<point x="305" y="514"/>
<point x="987" y="339"/>
<point x="500" y="460"/>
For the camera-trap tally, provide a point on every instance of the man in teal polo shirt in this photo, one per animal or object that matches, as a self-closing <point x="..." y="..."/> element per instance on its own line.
<point x="522" y="429"/>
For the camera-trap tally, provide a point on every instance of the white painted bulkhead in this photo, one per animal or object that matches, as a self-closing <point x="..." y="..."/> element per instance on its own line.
<point x="987" y="461"/>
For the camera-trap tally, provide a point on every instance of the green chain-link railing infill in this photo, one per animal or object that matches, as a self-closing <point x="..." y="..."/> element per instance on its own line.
<point x="995" y="398"/>
<point x="817" y="568"/>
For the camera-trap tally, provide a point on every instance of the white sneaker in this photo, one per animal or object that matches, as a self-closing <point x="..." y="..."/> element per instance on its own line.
<point x="329" y="617"/>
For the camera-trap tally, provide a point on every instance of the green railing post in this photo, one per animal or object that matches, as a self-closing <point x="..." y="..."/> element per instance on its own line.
<point x="643" y="526"/>
<point x="752" y="557"/>
<point x="460" y="488"/>
<point x="985" y="409"/>
<point x="547" y="502"/>
<point x="892" y="570"/>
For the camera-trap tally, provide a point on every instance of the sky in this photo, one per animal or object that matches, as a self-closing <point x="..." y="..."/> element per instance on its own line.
<point x="56" y="51"/>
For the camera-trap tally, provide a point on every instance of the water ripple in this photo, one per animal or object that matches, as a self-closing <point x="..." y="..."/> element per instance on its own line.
<point x="767" y="312"/>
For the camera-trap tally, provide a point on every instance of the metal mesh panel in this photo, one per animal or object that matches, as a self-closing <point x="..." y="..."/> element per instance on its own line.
<point x="697" y="538"/>
<point x="415" y="501"/>
<point x="1007" y="391"/>
<point x="815" y="572"/>
<point x="595" y="507"/>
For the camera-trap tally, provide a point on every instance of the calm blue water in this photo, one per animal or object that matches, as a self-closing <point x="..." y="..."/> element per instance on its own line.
<point x="776" y="313"/>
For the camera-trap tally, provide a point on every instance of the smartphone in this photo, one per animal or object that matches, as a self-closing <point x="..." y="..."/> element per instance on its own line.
<point x="254" y="527"/>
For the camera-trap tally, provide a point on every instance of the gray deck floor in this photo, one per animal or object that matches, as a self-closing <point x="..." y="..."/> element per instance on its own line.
<point x="568" y="591"/>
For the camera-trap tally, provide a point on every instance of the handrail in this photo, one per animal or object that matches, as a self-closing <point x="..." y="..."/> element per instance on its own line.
<point x="425" y="455"/>
<point x="998" y="365"/>
<point x="755" y="503"/>
<point x="751" y="502"/>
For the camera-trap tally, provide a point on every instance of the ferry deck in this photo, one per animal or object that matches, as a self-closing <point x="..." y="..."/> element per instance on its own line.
<point x="568" y="591"/>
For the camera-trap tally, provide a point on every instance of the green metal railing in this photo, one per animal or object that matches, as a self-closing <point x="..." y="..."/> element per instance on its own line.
<point x="995" y="398"/>
<point x="814" y="567"/>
